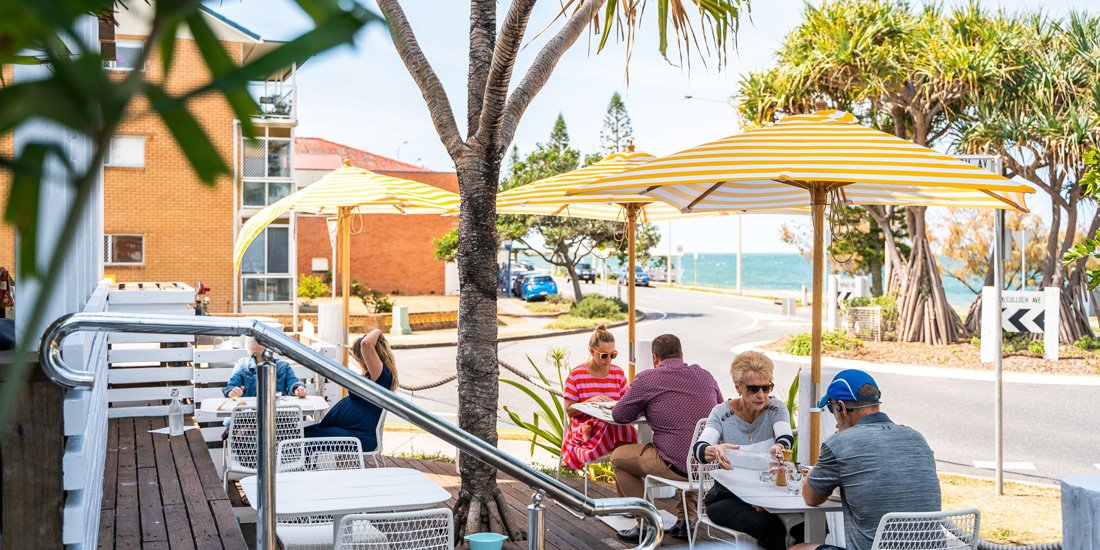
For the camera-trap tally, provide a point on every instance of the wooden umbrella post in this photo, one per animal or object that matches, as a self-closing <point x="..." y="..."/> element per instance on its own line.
<point x="631" y="222"/>
<point x="343" y="247"/>
<point x="819" y="195"/>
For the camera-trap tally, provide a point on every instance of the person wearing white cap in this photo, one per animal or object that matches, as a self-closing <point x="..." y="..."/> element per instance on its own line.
<point x="879" y="466"/>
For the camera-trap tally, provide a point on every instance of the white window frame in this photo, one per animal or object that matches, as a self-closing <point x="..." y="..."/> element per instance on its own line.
<point x="113" y="63"/>
<point x="108" y="237"/>
<point x="267" y="185"/>
<point x="272" y="275"/>
<point x="109" y="161"/>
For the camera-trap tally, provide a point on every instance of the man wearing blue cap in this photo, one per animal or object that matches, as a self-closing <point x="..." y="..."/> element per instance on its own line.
<point x="879" y="466"/>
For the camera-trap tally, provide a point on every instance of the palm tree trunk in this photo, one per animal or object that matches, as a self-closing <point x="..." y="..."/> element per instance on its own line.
<point x="478" y="505"/>
<point x="924" y="314"/>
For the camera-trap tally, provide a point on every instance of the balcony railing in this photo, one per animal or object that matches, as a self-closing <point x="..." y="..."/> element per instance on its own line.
<point x="275" y="97"/>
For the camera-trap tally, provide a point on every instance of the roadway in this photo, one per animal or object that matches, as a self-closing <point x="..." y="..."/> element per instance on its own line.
<point x="1050" y="430"/>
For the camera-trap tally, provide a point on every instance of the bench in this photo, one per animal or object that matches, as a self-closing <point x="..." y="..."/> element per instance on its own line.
<point x="163" y="492"/>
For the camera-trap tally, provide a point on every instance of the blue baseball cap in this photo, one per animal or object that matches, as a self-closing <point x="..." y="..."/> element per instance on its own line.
<point x="845" y="387"/>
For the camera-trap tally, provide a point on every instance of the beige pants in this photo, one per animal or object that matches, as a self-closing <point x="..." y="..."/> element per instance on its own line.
<point x="633" y="462"/>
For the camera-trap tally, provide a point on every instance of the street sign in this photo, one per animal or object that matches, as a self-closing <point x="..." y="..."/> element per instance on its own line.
<point x="848" y="288"/>
<point x="1022" y="311"/>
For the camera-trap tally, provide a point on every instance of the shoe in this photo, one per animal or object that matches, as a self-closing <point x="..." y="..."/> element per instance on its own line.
<point x="631" y="536"/>
<point x="679" y="530"/>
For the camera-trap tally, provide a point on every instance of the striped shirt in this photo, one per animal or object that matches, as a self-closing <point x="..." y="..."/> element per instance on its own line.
<point x="673" y="397"/>
<point x="588" y="438"/>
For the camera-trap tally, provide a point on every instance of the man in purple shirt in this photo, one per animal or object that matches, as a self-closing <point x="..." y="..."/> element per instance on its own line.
<point x="673" y="397"/>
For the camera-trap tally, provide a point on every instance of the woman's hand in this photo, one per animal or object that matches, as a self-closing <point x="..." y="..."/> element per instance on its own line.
<point x="236" y="392"/>
<point x="777" y="451"/>
<point x="300" y="391"/>
<point x="717" y="453"/>
<point x="598" y="399"/>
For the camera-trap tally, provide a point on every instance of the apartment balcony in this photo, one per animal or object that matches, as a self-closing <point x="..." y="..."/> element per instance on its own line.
<point x="277" y="101"/>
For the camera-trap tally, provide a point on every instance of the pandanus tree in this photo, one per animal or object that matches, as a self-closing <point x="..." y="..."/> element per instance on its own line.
<point x="1042" y="122"/>
<point x="494" y="108"/>
<point x="908" y="71"/>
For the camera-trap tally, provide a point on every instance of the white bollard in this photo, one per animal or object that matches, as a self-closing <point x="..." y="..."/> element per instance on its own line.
<point x="400" y="323"/>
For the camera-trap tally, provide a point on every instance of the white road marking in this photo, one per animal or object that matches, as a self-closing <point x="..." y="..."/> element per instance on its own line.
<point x="1097" y="466"/>
<point x="789" y="324"/>
<point x="992" y="465"/>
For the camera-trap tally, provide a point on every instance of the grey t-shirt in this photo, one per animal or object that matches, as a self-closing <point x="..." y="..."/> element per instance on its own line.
<point x="724" y="426"/>
<point x="880" y="467"/>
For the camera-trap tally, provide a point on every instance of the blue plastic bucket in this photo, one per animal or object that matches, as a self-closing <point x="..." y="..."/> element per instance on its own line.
<point x="486" y="541"/>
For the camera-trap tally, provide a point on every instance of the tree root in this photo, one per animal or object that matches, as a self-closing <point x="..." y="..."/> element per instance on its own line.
<point x="475" y="514"/>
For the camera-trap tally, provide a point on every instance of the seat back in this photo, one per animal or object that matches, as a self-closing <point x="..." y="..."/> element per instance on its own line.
<point x="241" y="447"/>
<point x="950" y="530"/>
<point x="420" y="529"/>
<point x="699" y="472"/>
<point x="320" y="453"/>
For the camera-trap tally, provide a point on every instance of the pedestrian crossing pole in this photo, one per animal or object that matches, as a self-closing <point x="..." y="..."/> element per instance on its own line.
<point x="998" y="286"/>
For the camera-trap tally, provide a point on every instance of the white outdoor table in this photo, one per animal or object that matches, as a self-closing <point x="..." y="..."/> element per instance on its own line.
<point x="747" y="486"/>
<point x="222" y="407"/>
<point x="645" y="434"/>
<point x="342" y="492"/>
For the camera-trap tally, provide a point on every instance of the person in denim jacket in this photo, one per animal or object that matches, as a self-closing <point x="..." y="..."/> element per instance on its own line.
<point x="242" y="383"/>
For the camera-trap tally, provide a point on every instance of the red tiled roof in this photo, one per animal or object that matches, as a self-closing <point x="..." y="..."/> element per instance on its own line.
<point x="322" y="154"/>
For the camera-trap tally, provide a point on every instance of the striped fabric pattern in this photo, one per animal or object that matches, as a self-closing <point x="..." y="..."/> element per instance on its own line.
<point x="364" y="191"/>
<point x="587" y="438"/>
<point x="773" y="167"/>
<point x="547" y="197"/>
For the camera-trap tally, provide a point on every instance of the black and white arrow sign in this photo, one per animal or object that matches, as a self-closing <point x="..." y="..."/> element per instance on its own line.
<point x="1023" y="312"/>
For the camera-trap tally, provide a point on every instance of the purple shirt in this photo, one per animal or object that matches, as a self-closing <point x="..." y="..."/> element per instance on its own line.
<point x="673" y="397"/>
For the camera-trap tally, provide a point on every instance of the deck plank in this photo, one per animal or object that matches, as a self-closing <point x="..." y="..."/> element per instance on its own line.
<point x="203" y="528"/>
<point x="127" y="513"/>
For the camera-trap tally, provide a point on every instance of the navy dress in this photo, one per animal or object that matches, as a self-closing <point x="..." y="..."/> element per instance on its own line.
<point x="353" y="416"/>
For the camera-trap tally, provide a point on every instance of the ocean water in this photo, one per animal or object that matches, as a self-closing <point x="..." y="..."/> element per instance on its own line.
<point x="785" y="272"/>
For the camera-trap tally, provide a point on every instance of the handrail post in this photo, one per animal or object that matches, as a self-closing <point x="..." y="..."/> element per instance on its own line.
<point x="535" y="522"/>
<point x="265" y="460"/>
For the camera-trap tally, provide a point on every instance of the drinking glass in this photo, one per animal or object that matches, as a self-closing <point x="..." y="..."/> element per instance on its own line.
<point x="794" y="479"/>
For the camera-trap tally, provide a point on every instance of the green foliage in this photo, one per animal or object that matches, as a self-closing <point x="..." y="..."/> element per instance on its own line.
<point x="792" y="411"/>
<point x="312" y="287"/>
<point x="835" y="340"/>
<point x="1088" y="343"/>
<point x="598" y="306"/>
<point x="90" y="101"/>
<point x="445" y="248"/>
<point x="373" y="300"/>
<point x="617" y="131"/>
<point x="889" y="306"/>
<point x="1089" y="247"/>
<point x="1037" y="347"/>
<point x="549" y="421"/>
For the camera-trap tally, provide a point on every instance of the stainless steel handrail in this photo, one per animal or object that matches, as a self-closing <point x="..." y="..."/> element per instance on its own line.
<point x="57" y="370"/>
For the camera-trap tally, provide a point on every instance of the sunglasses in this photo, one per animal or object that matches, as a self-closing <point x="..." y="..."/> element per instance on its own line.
<point x="834" y="406"/>
<point x="605" y="355"/>
<point x="752" y="389"/>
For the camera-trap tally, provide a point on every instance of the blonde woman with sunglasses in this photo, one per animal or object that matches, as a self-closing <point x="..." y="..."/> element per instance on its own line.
<point x="593" y="381"/>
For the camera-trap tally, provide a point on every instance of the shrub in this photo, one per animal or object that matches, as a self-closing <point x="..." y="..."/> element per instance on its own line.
<point x="311" y="287"/>
<point x="836" y="340"/>
<point x="373" y="300"/>
<point x="1088" y="343"/>
<point x="889" y="306"/>
<point x="1037" y="347"/>
<point x="596" y="306"/>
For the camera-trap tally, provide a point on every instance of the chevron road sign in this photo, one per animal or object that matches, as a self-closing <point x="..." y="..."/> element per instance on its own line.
<point x="1022" y="311"/>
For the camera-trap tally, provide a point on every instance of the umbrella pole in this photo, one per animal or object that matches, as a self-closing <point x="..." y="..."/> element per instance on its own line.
<point x="819" y="194"/>
<point x="631" y="221"/>
<point x="344" y="249"/>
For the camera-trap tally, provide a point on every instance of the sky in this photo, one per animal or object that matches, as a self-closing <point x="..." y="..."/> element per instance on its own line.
<point x="363" y="96"/>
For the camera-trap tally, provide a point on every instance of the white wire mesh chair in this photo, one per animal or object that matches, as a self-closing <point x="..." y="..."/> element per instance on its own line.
<point x="376" y="454"/>
<point x="950" y="530"/>
<point x="318" y="453"/>
<point x="698" y="480"/>
<point x="242" y="448"/>
<point x="420" y="529"/>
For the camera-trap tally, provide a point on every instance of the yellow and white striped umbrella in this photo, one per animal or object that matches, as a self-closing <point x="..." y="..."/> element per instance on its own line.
<point x="775" y="166"/>
<point x="357" y="189"/>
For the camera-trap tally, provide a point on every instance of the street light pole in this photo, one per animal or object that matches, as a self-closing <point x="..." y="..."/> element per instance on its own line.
<point x="739" y="253"/>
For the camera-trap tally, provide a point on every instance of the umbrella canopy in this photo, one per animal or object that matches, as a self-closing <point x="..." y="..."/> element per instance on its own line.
<point x="342" y="192"/>
<point x="803" y="161"/>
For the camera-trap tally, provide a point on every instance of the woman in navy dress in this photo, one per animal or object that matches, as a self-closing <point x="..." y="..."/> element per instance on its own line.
<point x="354" y="416"/>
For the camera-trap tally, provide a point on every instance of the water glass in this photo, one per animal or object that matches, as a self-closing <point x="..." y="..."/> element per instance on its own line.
<point x="767" y="477"/>
<point x="794" y="478"/>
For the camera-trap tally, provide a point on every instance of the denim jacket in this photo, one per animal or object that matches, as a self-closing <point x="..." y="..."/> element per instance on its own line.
<point x="244" y="374"/>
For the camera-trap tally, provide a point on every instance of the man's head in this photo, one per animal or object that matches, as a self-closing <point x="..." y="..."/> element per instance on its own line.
<point x="851" y="395"/>
<point x="666" y="346"/>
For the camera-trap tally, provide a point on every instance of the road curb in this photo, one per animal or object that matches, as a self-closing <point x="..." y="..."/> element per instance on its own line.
<point x="639" y="317"/>
<point x="923" y="371"/>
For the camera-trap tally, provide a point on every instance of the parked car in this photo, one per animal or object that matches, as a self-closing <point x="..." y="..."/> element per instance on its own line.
<point x="585" y="273"/>
<point x="537" y="287"/>
<point x="640" y="276"/>
<point x="517" y="279"/>
<point x="527" y="264"/>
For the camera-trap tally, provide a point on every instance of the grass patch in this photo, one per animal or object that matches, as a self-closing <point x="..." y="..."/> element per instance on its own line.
<point x="1025" y="514"/>
<point x="801" y="344"/>
<point x="569" y="321"/>
<point x="548" y="307"/>
<point x="434" y="456"/>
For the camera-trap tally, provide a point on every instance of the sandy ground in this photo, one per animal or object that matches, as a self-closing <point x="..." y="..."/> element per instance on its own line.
<point x="1025" y="514"/>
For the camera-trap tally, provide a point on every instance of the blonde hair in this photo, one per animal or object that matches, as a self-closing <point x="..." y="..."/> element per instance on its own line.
<point x="751" y="361"/>
<point x="600" y="335"/>
<point x="385" y="354"/>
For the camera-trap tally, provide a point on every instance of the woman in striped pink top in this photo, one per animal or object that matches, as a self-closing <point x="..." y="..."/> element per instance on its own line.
<point x="593" y="381"/>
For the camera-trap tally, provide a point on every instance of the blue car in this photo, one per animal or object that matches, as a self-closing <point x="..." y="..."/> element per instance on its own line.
<point x="641" y="278"/>
<point x="537" y="287"/>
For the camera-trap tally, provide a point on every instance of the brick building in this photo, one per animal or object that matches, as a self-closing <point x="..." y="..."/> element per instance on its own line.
<point x="162" y="224"/>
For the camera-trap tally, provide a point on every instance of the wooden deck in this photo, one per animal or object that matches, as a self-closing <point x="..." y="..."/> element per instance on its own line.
<point x="163" y="493"/>
<point x="563" y="529"/>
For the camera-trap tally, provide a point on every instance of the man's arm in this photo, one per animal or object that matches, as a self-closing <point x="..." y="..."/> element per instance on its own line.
<point x="632" y="405"/>
<point x="823" y="479"/>
<point x="810" y="495"/>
